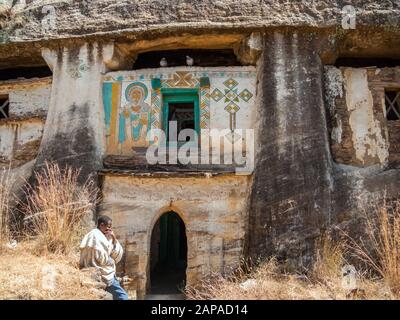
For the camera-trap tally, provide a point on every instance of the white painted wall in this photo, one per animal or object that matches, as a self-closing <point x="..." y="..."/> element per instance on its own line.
<point x="367" y="132"/>
<point x="212" y="208"/>
<point x="76" y="105"/>
<point x="13" y="135"/>
<point x="29" y="101"/>
<point x="27" y="97"/>
<point x="359" y="131"/>
<point x="7" y="134"/>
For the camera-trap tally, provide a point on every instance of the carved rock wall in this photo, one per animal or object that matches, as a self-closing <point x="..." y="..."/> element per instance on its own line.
<point x="290" y="201"/>
<point x="212" y="208"/>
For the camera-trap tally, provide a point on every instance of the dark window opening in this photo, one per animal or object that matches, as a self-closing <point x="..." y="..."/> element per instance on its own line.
<point x="367" y="62"/>
<point x="25" y="72"/>
<point x="183" y="115"/>
<point x="4" y="106"/>
<point x="168" y="255"/>
<point x="392" y="102"/>
<point x="187" y="57"/>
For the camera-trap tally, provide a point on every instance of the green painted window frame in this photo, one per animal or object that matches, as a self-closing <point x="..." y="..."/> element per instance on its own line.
<point x="180" y="96"/>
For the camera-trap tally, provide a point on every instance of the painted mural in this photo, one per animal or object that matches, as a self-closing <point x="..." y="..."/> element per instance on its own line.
<point x="134" y="115"/>
<point x="133" y="101"/>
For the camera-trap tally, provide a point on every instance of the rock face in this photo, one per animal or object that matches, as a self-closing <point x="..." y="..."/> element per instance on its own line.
<point x="291" y="193"/>
<point x="90" y="17"/>
<point x="363" y="138"/>
<point x="108" y="20"/>
<point x="359" y="132"/>
<point x="74" y="131"/>
<point x="214" y="238"/>
<point x="314" y="86"/>
<point x="91" y="278"/>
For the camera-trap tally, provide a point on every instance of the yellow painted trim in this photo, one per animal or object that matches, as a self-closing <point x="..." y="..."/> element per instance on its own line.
<point x="114" y="121"/>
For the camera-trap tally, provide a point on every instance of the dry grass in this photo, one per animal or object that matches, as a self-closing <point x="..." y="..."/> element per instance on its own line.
<point x="5" y="200"/>
<point x="329" y="260"/>
<point x="46" y="267"/>
<point x="379" y="279"/>
<point x="268" y="281"/>
<point x="380" y="251"/>
<point x="56" y="206"/>
<point x="24" y="275"/>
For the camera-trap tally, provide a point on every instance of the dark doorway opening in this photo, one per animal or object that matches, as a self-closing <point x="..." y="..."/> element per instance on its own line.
<point x="183" y="115"/>
<point x="168" y="255"/>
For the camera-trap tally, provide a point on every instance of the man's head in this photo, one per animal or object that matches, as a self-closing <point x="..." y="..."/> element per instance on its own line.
<point x="104" y="223"/>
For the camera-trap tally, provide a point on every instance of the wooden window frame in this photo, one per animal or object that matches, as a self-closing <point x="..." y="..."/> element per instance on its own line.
<point x="392" y="103"/>
<point x="3" y="105"/>
<point x="170" y="96"/>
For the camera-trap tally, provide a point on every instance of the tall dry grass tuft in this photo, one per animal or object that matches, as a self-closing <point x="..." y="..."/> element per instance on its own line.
<point x="55" y="207"/>
<point x="268" y="281"/>
<point x="6" y="181"/>
<point x="27" y="276"/>
<point x="249" y="281"/>
<point x="329" y="259"/>
<point x="381" y="248"/>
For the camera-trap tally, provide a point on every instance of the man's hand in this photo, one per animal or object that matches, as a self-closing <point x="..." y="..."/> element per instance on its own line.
<point x="110" y="261"/>
<point x="112" y="237"/>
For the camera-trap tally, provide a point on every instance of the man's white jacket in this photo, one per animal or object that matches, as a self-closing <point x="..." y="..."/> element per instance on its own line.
<point x="99" y="252"/>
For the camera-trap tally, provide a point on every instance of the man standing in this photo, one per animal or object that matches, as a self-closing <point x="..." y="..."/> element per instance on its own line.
<point x="100" y="249"/>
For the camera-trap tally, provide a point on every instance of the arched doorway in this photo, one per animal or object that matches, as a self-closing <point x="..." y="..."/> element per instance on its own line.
<point x="168" y="255"/>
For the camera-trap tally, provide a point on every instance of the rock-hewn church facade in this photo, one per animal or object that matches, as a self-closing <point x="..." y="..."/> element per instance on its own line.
<point x="85" y="83"/>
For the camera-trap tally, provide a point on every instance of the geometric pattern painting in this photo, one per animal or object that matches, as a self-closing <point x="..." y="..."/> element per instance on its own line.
<point x="182" y="79"/>
<point x="232" y="98"/>
<point x="132" y="101"/>
<point x="155" y="108"/>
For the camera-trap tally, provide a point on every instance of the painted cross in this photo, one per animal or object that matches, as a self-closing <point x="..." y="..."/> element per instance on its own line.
<point x="232" y="98"/>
